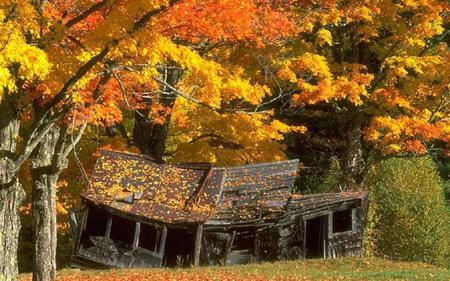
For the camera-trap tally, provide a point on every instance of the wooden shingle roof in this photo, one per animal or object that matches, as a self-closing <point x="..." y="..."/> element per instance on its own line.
<point x="138" y="186"/>
<point x="255" y="192"/>
<point x="198" y="193"/>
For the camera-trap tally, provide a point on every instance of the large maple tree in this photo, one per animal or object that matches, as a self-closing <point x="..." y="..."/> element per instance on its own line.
<point x="69" y="64"/>
<point x="373" y="74"/>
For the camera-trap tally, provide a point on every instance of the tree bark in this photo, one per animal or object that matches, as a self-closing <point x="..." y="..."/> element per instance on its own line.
<point x="11" y="193"/>
<point x="149" y="136"/>
<point x="45" y="170"/>
<point x="353" y="153"/>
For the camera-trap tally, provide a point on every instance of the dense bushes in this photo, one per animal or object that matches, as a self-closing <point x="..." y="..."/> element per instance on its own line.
<point x="408" y="219"/>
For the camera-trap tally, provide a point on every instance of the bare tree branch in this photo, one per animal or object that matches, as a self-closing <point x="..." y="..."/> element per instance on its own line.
<point x="75" y="141"/>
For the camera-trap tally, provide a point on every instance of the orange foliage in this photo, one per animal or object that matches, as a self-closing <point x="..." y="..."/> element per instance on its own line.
<point x="387" y="60"/>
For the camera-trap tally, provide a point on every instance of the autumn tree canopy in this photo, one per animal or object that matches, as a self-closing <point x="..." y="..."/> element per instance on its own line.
<point x="69" y="64"/>
<point x="376" y="70"/>
<point x="216" y="81"/>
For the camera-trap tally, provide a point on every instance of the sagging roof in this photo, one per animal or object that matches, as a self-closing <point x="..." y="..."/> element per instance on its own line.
<point x="312" y="202"/>
<point x="198" y="193"/>
<point x="138" y="186"/>
<point x="255" y="192"/>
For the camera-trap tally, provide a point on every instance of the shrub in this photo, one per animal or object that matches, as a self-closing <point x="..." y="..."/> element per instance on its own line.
<point x="447" y="190"/>
<point x="408" y="219"/>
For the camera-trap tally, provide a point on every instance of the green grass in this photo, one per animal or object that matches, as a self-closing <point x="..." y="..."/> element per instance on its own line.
<point x="345" y="269"/>
<point x="337" y="269"/>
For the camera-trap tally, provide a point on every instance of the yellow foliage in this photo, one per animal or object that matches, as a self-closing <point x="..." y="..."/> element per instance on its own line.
<point x="227" y="139"/>
<point x="324" y="37"/>
<point x="31" y="61"/>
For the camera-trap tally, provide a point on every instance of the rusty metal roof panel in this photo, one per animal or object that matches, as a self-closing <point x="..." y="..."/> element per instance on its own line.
<point x="136" y="185"/>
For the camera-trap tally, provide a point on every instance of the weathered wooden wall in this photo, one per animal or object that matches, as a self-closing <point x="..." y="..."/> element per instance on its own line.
<point x="283" y="241"/>
<point x="214" y="248"/>
<point x="114" y="254"/>
<point x="348" y="244"/>
<point x="285" y="238"/>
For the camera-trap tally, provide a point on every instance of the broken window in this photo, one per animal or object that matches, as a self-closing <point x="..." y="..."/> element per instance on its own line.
<point x="342" y="221"/>
<point x="96" y="222"/>
<point x="148" y="237"/>
<point x="122" y="230"/>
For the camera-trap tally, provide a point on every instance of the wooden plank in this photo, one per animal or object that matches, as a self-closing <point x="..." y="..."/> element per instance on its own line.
<point x="158" y="239"/>
<point x="198" y="244"/>
<point x="330" y="225"/>
<point x="81" y="228"/>
<point x="286" y="163"/>
<point x="354" y="220"/>
<point x="229" y="245"/>
<point x="326" y="233"/>
<point x="108" y="228"/>
<point x="137" y="233"/>
<point x="84" y="220"/>
<point x="162" y="244"/>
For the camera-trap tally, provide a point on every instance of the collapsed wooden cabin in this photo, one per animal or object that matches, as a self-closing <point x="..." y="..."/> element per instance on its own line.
<point x="138" y="213"/>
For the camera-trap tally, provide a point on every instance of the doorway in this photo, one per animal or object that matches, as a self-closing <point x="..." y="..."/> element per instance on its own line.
<point x="315" y="237"/>
<point x="179" y="248"/>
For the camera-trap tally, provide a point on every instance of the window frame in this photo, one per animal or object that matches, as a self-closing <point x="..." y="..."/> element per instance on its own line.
<point x="331" y="222"/>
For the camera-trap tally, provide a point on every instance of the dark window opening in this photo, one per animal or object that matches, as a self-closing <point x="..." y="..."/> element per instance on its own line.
<point x="242" y="249"/>
<point x="122" y="230"/>
<point x="342" y="221"/>
<point x="179" y="248"/>
<point x="95" y="224"/>
<point x="148" y="238"/>
<point x="314" y="242"/>
<point x="244" y="241"/>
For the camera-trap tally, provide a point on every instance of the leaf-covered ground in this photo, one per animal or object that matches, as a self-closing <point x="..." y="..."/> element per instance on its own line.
<point x="339" y="269"/>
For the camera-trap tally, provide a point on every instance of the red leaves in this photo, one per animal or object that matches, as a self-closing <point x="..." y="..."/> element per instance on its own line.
<point x="230" y="20"/>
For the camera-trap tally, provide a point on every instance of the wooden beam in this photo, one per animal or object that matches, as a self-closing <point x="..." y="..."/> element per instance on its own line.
<point x="158" y="239"/>
<point x="162" y="244"/>
<point x="84" y="220"/>
<point x="229" y="245"/>
<point x="84" y="216"/>
<point x="329" y="253"/>
<point x="325" y="235"/>
<point x="354" y="220"/>
<point x="108" y="228"/>
<point x="137" y="233"/>
<point x="198" y="244"/>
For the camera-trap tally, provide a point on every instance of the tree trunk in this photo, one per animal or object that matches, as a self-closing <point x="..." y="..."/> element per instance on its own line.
<point x="353" y="154"/>
<point x="45" y="172"/>
<point x="11" y="194"/>
<point x="149" y="136"/>
<point x="10" y="200"/>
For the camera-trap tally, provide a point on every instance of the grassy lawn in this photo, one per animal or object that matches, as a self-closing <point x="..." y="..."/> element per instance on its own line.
<point x="339" y="269"/>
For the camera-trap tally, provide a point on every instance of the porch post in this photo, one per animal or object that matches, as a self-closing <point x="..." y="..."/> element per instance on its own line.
<point x="162" y="244"/>
<point x="108" y="228"/>
<point x="198" y="244"/>
<point x="137" y="233"/>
